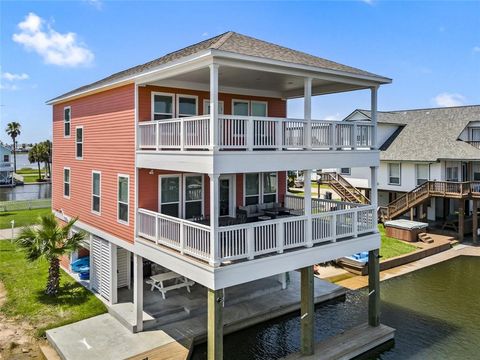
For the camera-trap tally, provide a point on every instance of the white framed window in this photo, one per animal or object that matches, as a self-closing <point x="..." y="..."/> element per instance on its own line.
<point x="270" y="185"/>
<point x="6" y="158"/>
<point x="260" y="188"/>
<point x="451" y="171"/>
<point x="170" y="196"/>
<point x="258" y="108"/>
<point x="79" y="142"/>
<point x="66" y="182"/>
<point x="240" y="107"/>
<point x="206" y="107"/>
<point x="96" y="191"/>
<point x="476" y="171"/>
<point x="475" y="134"/>
<point x="123" y="195"/>
<point x="422" y="173"/>
<point x="187" y="105"/>
<point x="394" y="173"/>
<point x="67" y="115"/>
<point x="193" y="195"/>
<point x="162" y="106"/>
<point x="345" y="171"/>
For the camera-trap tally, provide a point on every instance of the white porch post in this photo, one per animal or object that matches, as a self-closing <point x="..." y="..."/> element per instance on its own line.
<point x="373" y="115"/>
<point x="307" y="190"/>
<point x="213" y="106"/>
<point x="114" y="274"/>
<point x="307" y="113"/>
<point x="138" y="291"/>
<point x="374" y="193"/>
<point x="214" y="213"/>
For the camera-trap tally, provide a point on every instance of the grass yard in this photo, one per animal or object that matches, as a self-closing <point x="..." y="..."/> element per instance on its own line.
<point x="392" y="247"/>
<point x="25" y="283"/>
<point x="30" y="175"/>
<point x="21" y="217"/>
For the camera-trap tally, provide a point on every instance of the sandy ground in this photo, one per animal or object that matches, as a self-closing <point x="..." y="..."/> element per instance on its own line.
<point x="16" y="340"/>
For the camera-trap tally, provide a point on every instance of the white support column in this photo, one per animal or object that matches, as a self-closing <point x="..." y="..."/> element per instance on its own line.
<point x="374" y="192"/>
<point x="214" y="213"/>
<point x="92" y="271"/>
<point x="138" y="291"/>
<point x="113" y="274"/>
<point x="307" y="190"/>
<point x="373" y="115"/>
<point x="307" y="112"/>
<point x="213" y="106"/>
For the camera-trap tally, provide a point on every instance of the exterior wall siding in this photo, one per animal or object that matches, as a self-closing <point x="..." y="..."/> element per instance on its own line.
<point x="108" y="120"/>
<point x="276" y="107"/>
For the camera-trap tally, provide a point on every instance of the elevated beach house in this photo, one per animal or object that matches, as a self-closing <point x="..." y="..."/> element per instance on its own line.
<point x="181" y="162"/>
<point x="6" y="166"/>
<point x="429" y="165"/>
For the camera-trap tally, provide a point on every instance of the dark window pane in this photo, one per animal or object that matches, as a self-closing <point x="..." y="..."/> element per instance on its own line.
<point x="170" y="189"/>
<point x="79" y="150"/>
<point x="251" y="200"/>
<point x="162" y="117"/>
<point x="170" y="209"/>
<point x="66" y="175"/>
<point x="66" y="114"/>
<point x="193" y="209"/>
<point x="123" y="189"/>
<point x="96" y="204"/>
<point x="79" y="134"/>
<point x="193" y="188"/>
<point x="269" y="198"/>
<point x="187" y="106"/>
<point x="259" y="109"/>
<point x="67" y="129"/>
<point x="251" y="183"/>
<point x="96" y="184"/>
<point x="240" y="108"/>
<point x="123" y="212"/>
<point x="66" y="190"/>
<point x="270" y="183"/>
<point x="162" y="104"/>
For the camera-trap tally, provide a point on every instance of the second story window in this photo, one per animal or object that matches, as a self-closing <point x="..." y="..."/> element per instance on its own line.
<point x="206" y="107"/>
<point x="259" y="108"/>
<point x="67" y="113"/>
<point x="96" y="188"/>
<point x="269" y="187"/>
<point x="345" y="171"/>
<point x="240" y="107"/>
<point x="451" y="172"/>
<point x="79" y="142"/>
<point x="252" y="188"/>
<point x="193" y="196"/>
<point x="66" y="182"/>
<point x="123" y="198"/>
<point x="162" y="106"/>
<point x="187" y="105"/>
<point x="394" y="171"/>
<point x="422" y="173"/>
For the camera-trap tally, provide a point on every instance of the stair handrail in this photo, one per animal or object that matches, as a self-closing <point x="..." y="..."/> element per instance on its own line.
<point x="406" y="197"/>
<point x="357" y="194"/>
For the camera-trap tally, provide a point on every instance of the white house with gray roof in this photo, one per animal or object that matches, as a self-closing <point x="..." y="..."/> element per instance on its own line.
<point x="436" y="144"/>
<point x="6" y="168"/>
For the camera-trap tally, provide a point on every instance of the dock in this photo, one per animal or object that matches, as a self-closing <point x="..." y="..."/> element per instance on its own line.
<point x="349" y="344"/>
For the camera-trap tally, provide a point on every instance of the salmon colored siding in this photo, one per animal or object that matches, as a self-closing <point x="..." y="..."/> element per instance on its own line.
<point x="276" y="107"/>
<point x="108" y="120"/>
<point x="148" y="189"/>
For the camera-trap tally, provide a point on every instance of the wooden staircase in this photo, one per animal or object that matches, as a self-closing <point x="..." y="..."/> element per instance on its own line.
<point x="423" y="192"/>
<point x="343" y="188"/>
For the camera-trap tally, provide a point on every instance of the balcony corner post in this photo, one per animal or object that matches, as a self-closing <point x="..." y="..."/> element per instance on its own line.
<point x="308" y="112"/>
<point x="374" y="194"/>
<point x="373" y="115"/>
<point x="307" y="189"/>
<point x="214" y="213"/>
<point x="213" y="106"/>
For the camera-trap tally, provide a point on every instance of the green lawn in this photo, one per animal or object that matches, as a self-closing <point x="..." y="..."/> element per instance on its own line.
<point x="21" y="217"/>
<point x="25" y="284"/>
<point x="392" y="247"/>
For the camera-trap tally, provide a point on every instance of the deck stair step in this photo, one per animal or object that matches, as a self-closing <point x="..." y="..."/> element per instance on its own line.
<point x="343" y="188"/>
<point x="424" y="237"/>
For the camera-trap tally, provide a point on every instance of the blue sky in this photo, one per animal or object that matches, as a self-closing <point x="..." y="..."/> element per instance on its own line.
<point x="430" y="49"/>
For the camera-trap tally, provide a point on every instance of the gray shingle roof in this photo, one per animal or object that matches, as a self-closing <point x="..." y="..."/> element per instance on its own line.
<point x="430" y="134"/>
<point x="234" y="43"/>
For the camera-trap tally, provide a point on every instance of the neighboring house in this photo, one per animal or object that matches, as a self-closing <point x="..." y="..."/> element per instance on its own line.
<point x="6" y="165"/>
<point x="417" y="146"/>
<point x="182" y="161"/>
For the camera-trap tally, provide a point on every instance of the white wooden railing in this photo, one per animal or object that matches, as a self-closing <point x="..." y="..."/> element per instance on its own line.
<point x="250" y="240"/>
<point x="251" y="133"/>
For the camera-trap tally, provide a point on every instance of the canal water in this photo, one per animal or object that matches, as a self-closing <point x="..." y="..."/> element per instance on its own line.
<point x="26" y="192"/>
<point x="436" y="311"/>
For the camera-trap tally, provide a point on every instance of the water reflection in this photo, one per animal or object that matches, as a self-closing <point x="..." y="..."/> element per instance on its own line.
<point x="436" y="312"/>
<point x="26" y="192"/>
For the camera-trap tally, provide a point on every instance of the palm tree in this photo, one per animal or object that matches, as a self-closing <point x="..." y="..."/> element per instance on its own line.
<point x="35" y="155"/>
<point x="47" y="156"/>
<point x="49" y="241"/>
<point x="13" y="130"/>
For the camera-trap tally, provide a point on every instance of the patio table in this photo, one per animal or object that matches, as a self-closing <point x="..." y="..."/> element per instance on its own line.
<point x="157" y="282"/>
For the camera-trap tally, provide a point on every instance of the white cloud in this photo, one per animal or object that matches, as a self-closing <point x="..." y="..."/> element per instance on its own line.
<point x="205" y="34"/>
<point x="447" y="100"/>
<point x="97" y="4"/>
<point x="8" y="87"/>
<point x="333" y="117"/>
<point x="55" y="48"/>
<point x="476" y="49"/>
<point x="13" y="77"/>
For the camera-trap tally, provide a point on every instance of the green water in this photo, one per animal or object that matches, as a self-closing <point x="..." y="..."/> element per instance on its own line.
<point x="436" y="311"/>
